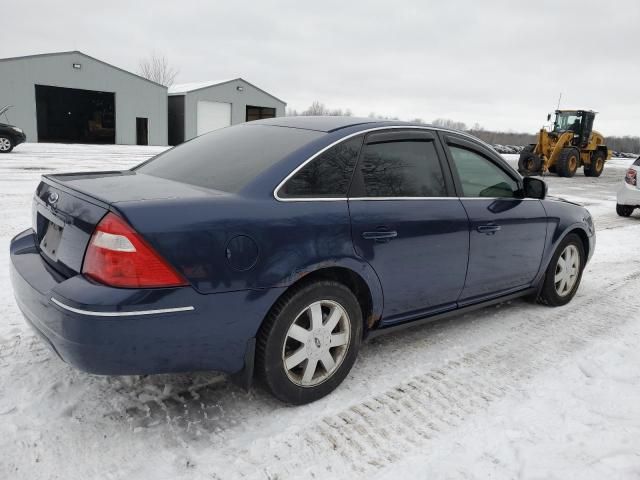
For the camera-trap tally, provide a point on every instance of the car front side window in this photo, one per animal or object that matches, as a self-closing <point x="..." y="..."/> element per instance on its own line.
<point x="480" y="177"/>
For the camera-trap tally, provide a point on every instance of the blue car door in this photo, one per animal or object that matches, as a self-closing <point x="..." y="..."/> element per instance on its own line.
<point x="507" y="232"/>
<point x="408" y="224"/>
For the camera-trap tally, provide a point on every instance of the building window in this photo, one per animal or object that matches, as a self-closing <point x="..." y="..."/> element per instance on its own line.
<point x="258" y="113"/>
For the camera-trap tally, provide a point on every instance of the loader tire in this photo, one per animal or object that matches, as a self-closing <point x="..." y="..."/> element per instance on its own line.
<point x="597" y="165"/>
<point x="568" y="162"/>
<point x="529" y="163"/>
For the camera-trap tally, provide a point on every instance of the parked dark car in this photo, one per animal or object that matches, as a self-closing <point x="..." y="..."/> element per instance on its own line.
<point x="279" y="245"/>
<point x="10" y="135"/>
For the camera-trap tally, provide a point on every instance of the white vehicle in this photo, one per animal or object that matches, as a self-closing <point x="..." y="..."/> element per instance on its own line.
<point x="629" y="193"/>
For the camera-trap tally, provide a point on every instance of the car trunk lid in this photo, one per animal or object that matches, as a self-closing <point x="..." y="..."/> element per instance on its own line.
<point x="67" y="208"/>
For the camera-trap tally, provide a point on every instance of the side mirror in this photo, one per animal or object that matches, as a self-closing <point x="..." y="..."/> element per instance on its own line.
<point x="548" y="117"/>
<point x="534" y="188"/>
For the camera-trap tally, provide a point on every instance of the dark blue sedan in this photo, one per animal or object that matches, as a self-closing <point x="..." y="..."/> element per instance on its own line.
<point x="275" y="247"/>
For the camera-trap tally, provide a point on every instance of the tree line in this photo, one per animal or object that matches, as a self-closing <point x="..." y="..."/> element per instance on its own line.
<point x="628" y="144"/>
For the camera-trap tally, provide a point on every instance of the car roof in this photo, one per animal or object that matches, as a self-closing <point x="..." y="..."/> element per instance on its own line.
<point x="328" y="123"/>
<point x="325" y="123"/>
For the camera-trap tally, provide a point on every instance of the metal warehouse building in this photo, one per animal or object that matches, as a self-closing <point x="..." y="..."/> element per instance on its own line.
<point x="74" y="98"/>
<point x="197" y="108"/>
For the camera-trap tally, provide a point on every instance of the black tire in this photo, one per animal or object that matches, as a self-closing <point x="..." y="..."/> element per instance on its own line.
<point x="568" y="162"/>
<point x="624" y="210"/>
<point x="271" y="346"/>
<point x="6" y="144"/>
<point x="597" y="164"/>
<point x="552" y="169"/>
<point x="549" y="294"/>
<point x="529" y="163"/>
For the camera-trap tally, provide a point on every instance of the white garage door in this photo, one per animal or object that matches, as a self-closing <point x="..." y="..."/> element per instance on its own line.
<point x="213" y="115"/>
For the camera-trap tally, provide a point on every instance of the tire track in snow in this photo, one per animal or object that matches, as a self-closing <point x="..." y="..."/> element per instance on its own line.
<point x="609" y="221"/>
<point x="404" y="419"/>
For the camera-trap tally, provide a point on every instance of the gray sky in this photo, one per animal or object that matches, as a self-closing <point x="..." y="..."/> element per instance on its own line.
<point x="501" y="64"/>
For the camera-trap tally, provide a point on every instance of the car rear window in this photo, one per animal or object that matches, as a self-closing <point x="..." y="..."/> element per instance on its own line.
<point x="229" y="158"/>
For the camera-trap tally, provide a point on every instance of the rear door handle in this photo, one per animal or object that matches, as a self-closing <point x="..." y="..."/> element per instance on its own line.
<point x="489" y="229"/>
<point x="382" y="236"/>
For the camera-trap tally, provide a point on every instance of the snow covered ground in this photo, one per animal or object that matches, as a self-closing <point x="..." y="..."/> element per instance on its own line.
<point x="512" y="391"/>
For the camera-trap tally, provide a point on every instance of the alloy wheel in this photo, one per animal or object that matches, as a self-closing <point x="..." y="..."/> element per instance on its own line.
<point x="567" y="270"/>
<point x="316" y="343"/>
<point x="5" y="144"/>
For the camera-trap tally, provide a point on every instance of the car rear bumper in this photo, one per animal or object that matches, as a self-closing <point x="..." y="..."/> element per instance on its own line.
<point x="20" y="138"/>
<point x="628" y="195"/>
<point x="116" y="331"/>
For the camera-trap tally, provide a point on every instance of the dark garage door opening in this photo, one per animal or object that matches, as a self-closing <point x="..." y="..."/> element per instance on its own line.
<point x="71" y="115"/>
<point x="258" y="113"/>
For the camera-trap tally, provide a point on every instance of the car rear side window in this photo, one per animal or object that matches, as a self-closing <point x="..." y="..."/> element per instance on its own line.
<point x="404" y="168"/>
<point x="480" y="177"/>
<point x="637" y="162"/>
<point x="229" y="158"/>
<point x="326" y="176"/>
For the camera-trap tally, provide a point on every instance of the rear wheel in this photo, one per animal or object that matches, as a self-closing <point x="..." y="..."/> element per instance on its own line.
<point x="309" y="342"/>
<point x="568" y="162"/>
<point x="597" y="165"/>
<point x="624" y="210"/>
<point x="564" y="272"/>
<point x="6" y="144"/>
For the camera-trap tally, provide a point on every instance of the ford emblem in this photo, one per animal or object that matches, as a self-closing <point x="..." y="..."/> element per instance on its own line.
<point x="52" y="198"/>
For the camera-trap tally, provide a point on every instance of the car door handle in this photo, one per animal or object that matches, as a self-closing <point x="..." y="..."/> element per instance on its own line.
<point x="489" y="229"/>
<point x="381" y="236"/>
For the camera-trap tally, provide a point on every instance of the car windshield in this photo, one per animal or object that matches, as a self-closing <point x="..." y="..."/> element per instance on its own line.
<point x="229" y="158"/>
<point x="567" y="121"/>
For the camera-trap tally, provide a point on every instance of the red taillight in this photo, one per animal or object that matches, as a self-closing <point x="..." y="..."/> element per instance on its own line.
<point x="631" y="177"/>
<point x="119" y="257"/>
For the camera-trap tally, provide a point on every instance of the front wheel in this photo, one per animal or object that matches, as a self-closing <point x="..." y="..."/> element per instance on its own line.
<point x="6" y="144"/>
<point x="563" y="275"/>
<point x="529" y="163"/>
<point x="309" y="342"/>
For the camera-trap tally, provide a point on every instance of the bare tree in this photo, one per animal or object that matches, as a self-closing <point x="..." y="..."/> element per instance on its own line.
<point x="319" y="108"/>
<point x="376" y="116"/>
<point x="448" y="123"/>
<point x="316" y="108"/>
<point x="157" y="69"/>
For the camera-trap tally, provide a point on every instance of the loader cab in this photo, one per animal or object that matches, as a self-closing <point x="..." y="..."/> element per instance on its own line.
<point x="580" y="122"/>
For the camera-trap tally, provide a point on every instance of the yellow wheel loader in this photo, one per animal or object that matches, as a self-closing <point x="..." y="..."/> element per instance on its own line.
<point x="571" y="144"/>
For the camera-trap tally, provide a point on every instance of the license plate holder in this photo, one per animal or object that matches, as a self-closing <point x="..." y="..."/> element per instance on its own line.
<point x="51" y="240"/>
